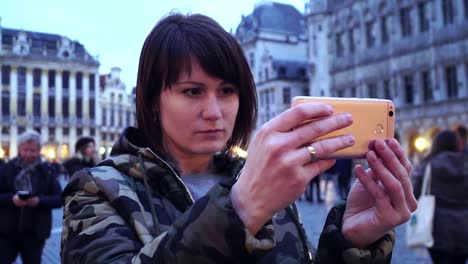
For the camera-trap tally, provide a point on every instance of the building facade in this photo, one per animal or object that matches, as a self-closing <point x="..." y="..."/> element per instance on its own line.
<point x="49" y="83"/>
<point x="117" y="109"/>
<point x="410" y="51"/>
<point x="274" y="41"/>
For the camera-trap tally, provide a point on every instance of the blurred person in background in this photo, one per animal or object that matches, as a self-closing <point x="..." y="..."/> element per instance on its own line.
<point x="85" y="156"/>
<point x="29" y="190"/>
<point x="172" y="190"/>
<point x="460" y="131"/>
<point x="449" y="184"/>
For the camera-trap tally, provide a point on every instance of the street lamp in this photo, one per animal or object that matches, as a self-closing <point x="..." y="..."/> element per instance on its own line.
<point x="421" y="144"/>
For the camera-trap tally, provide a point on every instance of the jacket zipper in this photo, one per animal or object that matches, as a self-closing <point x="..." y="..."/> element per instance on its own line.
<point x="188" y="195"/>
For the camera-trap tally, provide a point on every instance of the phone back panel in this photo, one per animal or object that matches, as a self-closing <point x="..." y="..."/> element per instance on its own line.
<point x="372" y="119"/>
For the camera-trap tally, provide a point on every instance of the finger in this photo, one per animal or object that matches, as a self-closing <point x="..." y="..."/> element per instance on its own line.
<point x="315" y="168"/>
<point x="400" y="154"/>
<point x="295" y="116"/>
<point x="312" y="130"/>
<point x="394" y="159"/>
<point x="369" y="183"/>
<point x="392" y="185"/>
<point x="324" y="148"/>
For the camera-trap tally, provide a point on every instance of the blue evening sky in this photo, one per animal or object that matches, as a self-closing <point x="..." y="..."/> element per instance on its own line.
<point x="115" y="29"/>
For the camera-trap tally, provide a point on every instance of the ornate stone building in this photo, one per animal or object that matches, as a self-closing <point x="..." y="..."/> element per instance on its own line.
<point x="51" y="84"/>
<point x="117" y="109"/>
<point x="273" y="38"/>
<point x="413" y="52"/>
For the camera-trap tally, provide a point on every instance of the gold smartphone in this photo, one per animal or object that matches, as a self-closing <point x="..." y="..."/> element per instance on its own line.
<point x="372" y="119"/>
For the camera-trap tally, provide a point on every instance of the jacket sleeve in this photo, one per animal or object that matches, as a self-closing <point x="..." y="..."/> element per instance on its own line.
<point x="334" y="248"/>
<point x="52" y="197"/>
<point x="6" y="193"/>
<point x="210" y="231"/>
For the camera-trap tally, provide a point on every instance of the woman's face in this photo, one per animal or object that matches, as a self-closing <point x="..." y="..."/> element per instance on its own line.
<point x="197" y="113"/>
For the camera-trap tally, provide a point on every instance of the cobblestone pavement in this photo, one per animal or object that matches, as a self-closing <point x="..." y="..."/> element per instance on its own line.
<point x="313" y="216"/>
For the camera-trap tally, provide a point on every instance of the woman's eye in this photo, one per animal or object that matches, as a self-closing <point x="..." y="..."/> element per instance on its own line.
<point x="228" y="90"/>
<point x="192" y="91"/>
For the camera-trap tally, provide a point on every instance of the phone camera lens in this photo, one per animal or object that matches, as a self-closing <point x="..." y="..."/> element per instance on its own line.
<point x="390" y="113"/>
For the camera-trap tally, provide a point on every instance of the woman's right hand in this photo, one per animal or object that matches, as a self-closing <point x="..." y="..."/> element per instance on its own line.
<point x="279" y="165"/>
<point x="18" y="202"/>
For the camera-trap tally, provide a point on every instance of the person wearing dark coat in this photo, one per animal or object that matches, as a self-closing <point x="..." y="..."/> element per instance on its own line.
<point x="84" y="157"/>
<point x="28" y="192"/>
<point x="449" y="182"/>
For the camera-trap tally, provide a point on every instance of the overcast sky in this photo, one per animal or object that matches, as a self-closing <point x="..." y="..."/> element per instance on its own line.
<point x="115" y="29"/>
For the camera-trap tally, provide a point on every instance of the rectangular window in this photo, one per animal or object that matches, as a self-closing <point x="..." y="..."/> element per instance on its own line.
<point x="370" y="40"/>
<point x="372" y="90"/>
<point x="92" y="82"/>
<point x="21" y="81"/>
<point x="409" y="89"/>
<point x="252" y="59"/>
<point x="387" y="92"/>
<point x="426" y="86"/>
<point x="37" y="105"/>
<point x="66" y="131"/>
<point x="6" y="70"/>
<point x="353" y="92"/>
<point x="465" y="7"/>
<point x="286" y="95"/>
<point x="65" y="107"/>
<point x="21" y="106"/>
<point x="447" y="11"/>
<point x="51" y="106"/>
<point x="37" y="77"/>
<point x="112" y="117"/>
<point x="79" y="107"/>
<point x="92" y="131"/>
<point x="92" y="108"/>
<point x="79" y="80"/>
<point x="352" y="47"/>
<point x="104" y="117"/>
<point x="5" y="104"/>
<point x="451" y="81"/>
<point x="79" y="132"/>
<point x="340" y="93"/>
<point x="51" y="76"/>
<point x="423" y="21"/>
<point x="339" y="45"/>
<point x="384" y="29"/>
<point x="66" y="79"/>
<point x="405" y="21"/>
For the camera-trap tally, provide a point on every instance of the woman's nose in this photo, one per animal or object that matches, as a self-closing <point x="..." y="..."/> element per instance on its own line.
<point x="212" y="110"/>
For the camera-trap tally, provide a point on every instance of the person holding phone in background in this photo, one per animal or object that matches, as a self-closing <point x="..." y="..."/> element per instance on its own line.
<point x="29" y="190"/>
<point x="172" y="191"/>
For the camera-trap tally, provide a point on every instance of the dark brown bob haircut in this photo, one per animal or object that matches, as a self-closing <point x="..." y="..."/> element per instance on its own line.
<point x="168" y="51"/>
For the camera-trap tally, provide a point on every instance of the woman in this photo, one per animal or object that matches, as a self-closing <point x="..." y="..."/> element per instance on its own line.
<point x="172" y="191"/>
<point x="85" y="156"/>
<point x="449" y="182"/>
<point x="29" y="190"/>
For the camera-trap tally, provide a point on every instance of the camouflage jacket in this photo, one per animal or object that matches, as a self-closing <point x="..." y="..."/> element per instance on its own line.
<point x="134" y="208"/>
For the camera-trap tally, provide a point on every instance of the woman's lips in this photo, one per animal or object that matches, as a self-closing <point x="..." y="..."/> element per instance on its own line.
<point x="210" y="132"/>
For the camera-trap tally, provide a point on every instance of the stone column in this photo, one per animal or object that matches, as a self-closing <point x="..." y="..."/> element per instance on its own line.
<point x="44" y="105"/>
<point x="29" y="99"/>
<point x="13" y="112"/>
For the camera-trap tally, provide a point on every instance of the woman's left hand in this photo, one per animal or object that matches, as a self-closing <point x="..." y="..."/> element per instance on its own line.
<point x="382" y="198"/>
